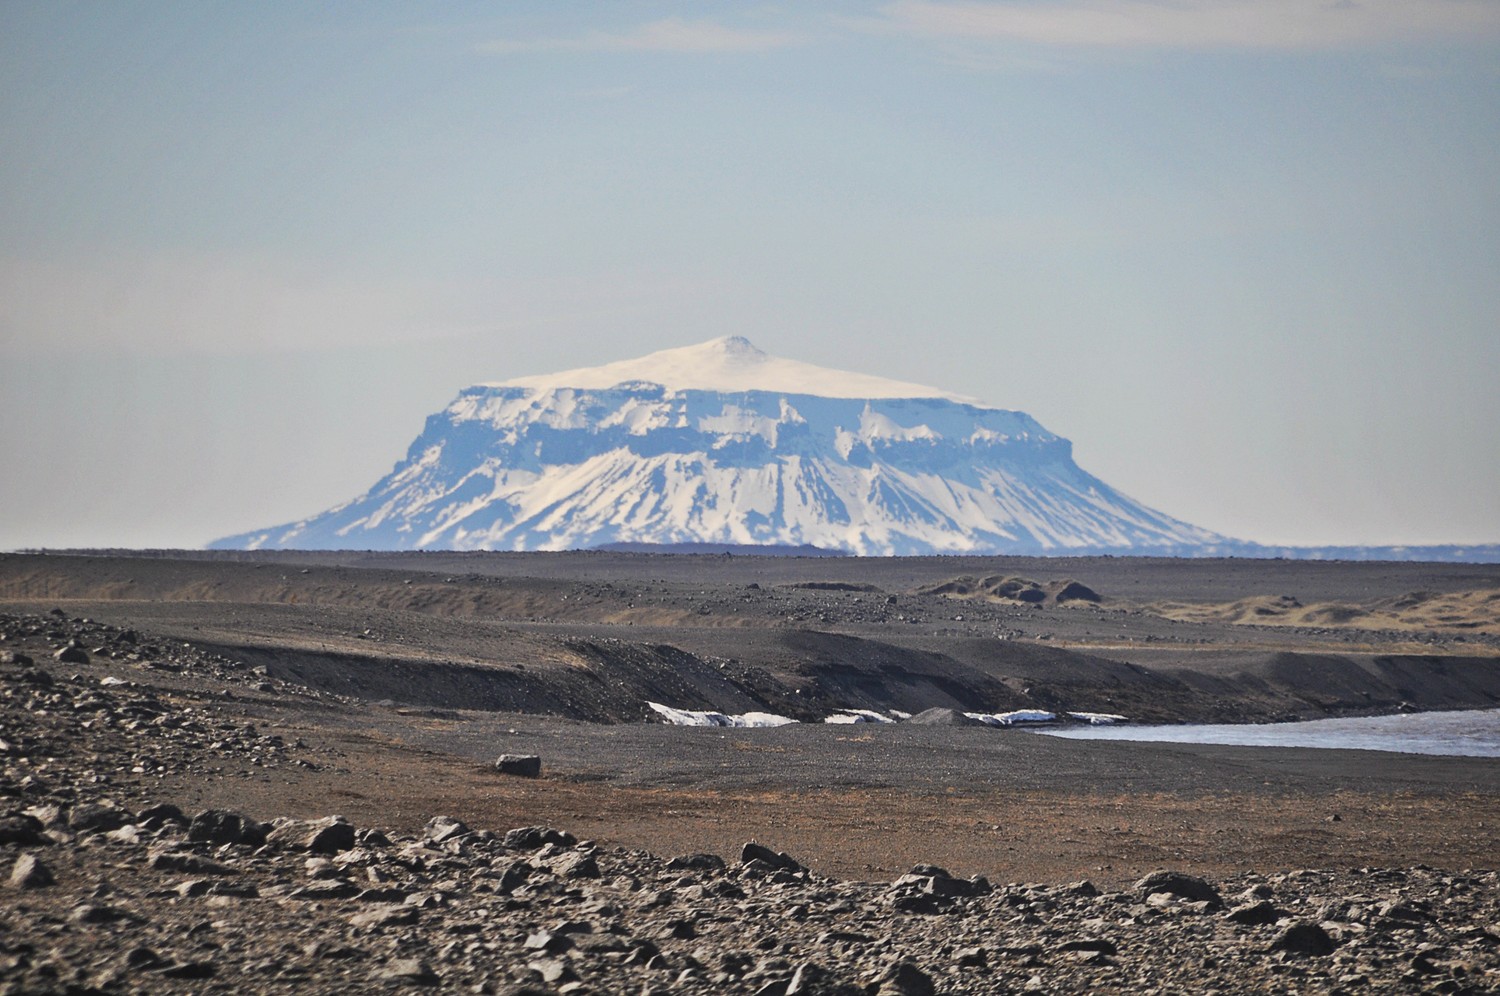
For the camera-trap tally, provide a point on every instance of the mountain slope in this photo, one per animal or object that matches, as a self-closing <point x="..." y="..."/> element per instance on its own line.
<point x="720" y="443"/>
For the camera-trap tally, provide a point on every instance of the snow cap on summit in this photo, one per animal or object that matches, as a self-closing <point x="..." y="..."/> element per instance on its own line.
<point x="732" y="364"/>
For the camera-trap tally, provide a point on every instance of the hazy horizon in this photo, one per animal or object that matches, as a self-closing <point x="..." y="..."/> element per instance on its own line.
<point x="1244" y="256"/>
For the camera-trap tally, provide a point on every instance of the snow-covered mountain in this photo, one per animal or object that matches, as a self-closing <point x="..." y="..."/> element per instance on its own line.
<point x="721" y="443"/>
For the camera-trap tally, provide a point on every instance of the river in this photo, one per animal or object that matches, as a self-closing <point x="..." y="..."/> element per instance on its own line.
<point x="1469" y="733"/>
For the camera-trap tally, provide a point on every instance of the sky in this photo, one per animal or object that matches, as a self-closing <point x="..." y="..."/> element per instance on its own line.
<point x="1245" y="255"/>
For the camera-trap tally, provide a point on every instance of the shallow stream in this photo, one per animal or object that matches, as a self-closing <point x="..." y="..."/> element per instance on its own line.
<point x="1468" y="733"/>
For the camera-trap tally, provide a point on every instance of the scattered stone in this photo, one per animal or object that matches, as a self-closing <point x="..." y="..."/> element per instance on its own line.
<point x="775" y="859"/>
<point x="71" y="655"/>
<point x="906" y="979"/>
<point x="812" y="979"/>
<point x="187" y="864"/>
<point x="445" y="828"/>
<point x="697" y="863"/>
<point x="221" y="826"/>
<point x="409" y="970"/>
<point x="1183" y="886"/>
<point x="325" y="836"/>
<point x="22" y="830"/>
<point x="1255" y="914"/>
<point x="1304" y="938"/>
<point x="385" y="916"/>
<point x="534" y="838"/>
<point x="575" y="864"/>
<point x="92" y="817"/>
<point x="29" y="873"/>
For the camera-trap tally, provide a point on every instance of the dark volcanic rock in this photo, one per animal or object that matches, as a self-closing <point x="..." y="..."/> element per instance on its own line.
<point x="222" y="826"/>
<point x="520" y="765"/>
<point x="94" y="817"/>
<point x="1255" y="914"/>
<point x="71" y="655"/>
<point x="23" y="830"/>
<point x="532" y="838"/>
<point x="776" y="859"/>
<point x="1304" y="938"/>
<point x="697" y="862"/>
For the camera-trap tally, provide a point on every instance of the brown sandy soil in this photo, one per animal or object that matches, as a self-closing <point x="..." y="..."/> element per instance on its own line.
<point x="1008" y="834"/>
<point x="1459" y="612"/>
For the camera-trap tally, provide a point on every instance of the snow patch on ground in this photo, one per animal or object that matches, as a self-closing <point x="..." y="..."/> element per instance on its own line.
<point x="693" y="717"/>
<point x="1098" y="718"/>
<point x="858" y="716"/>
<point x="1012" y="718"/>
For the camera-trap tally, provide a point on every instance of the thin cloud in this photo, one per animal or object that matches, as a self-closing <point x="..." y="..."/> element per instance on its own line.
<point x="669" y="35"/>
<point x="1194" y="24"/>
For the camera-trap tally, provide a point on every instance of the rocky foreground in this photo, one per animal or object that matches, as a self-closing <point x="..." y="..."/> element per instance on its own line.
<point x="109" y="889"/>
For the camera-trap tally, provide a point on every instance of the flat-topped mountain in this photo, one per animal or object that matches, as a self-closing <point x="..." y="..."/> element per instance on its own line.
<point x="720" y="443"/>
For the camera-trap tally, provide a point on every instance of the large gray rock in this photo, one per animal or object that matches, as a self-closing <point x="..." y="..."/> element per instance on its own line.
<point x="939" y="716"/>
<point x="1304" y="938"/>
<point x="93" y="817"/>
<point x="326" y="836"/>
<point x="776" y="859"/>
<point x="1181" y="885"/>
<point x="531" y="838"/>
<point x="30" y="873"/>
<point x="444" y="828"/>
<point x="223" y="826"/>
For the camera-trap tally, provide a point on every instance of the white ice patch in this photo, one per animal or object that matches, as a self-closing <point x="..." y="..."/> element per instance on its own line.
<point x="1012" y="718"/>
<point x="693" y="717"/>
<point x="1098" y="718"/>
<point x="858" y="716"/>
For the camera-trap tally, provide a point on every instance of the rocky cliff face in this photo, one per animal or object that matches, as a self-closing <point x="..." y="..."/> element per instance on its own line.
<point x="683" y="451"/>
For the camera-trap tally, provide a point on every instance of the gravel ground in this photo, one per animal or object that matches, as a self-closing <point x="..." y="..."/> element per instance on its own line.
<point x="156" y="724"/>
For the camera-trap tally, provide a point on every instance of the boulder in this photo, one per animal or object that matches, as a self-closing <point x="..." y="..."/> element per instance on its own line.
<point x="444" y="828"/>
<point x="22" y="830"/>
<point x="520" y="765"/>
<point x="697" y="862"/>
<point x="1181" y="885"/>
<point x="93" y="817"/>
<point x="939" y="716"/>
<point x="1304" y="938"/>
<point x="531" y="838"/>
<point x="906" y="979"/>
<point x="776" y="859"/>
<point x="30" y="873"/>
<point x="223" y="826"/>
<point x="326" y="836"/>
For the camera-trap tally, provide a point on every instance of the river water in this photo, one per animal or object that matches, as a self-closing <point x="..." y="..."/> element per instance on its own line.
<point x="1470" y="733"/>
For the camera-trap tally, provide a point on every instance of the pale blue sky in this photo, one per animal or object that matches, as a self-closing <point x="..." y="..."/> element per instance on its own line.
<point x="1245" y="255"/>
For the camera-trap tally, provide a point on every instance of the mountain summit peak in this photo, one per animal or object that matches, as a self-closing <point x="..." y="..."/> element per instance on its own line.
<point x="731" y="364"/>
<point x="720" y="442"/>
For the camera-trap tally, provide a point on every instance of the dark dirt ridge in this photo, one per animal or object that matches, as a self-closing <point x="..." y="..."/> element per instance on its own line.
<point x="111" y="888"/>
<point x="595" y="636"/>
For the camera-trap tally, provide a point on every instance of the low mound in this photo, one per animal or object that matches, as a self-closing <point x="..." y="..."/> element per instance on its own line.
<point x="1414" y="612"/>
<point x="1001" y="588"/>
